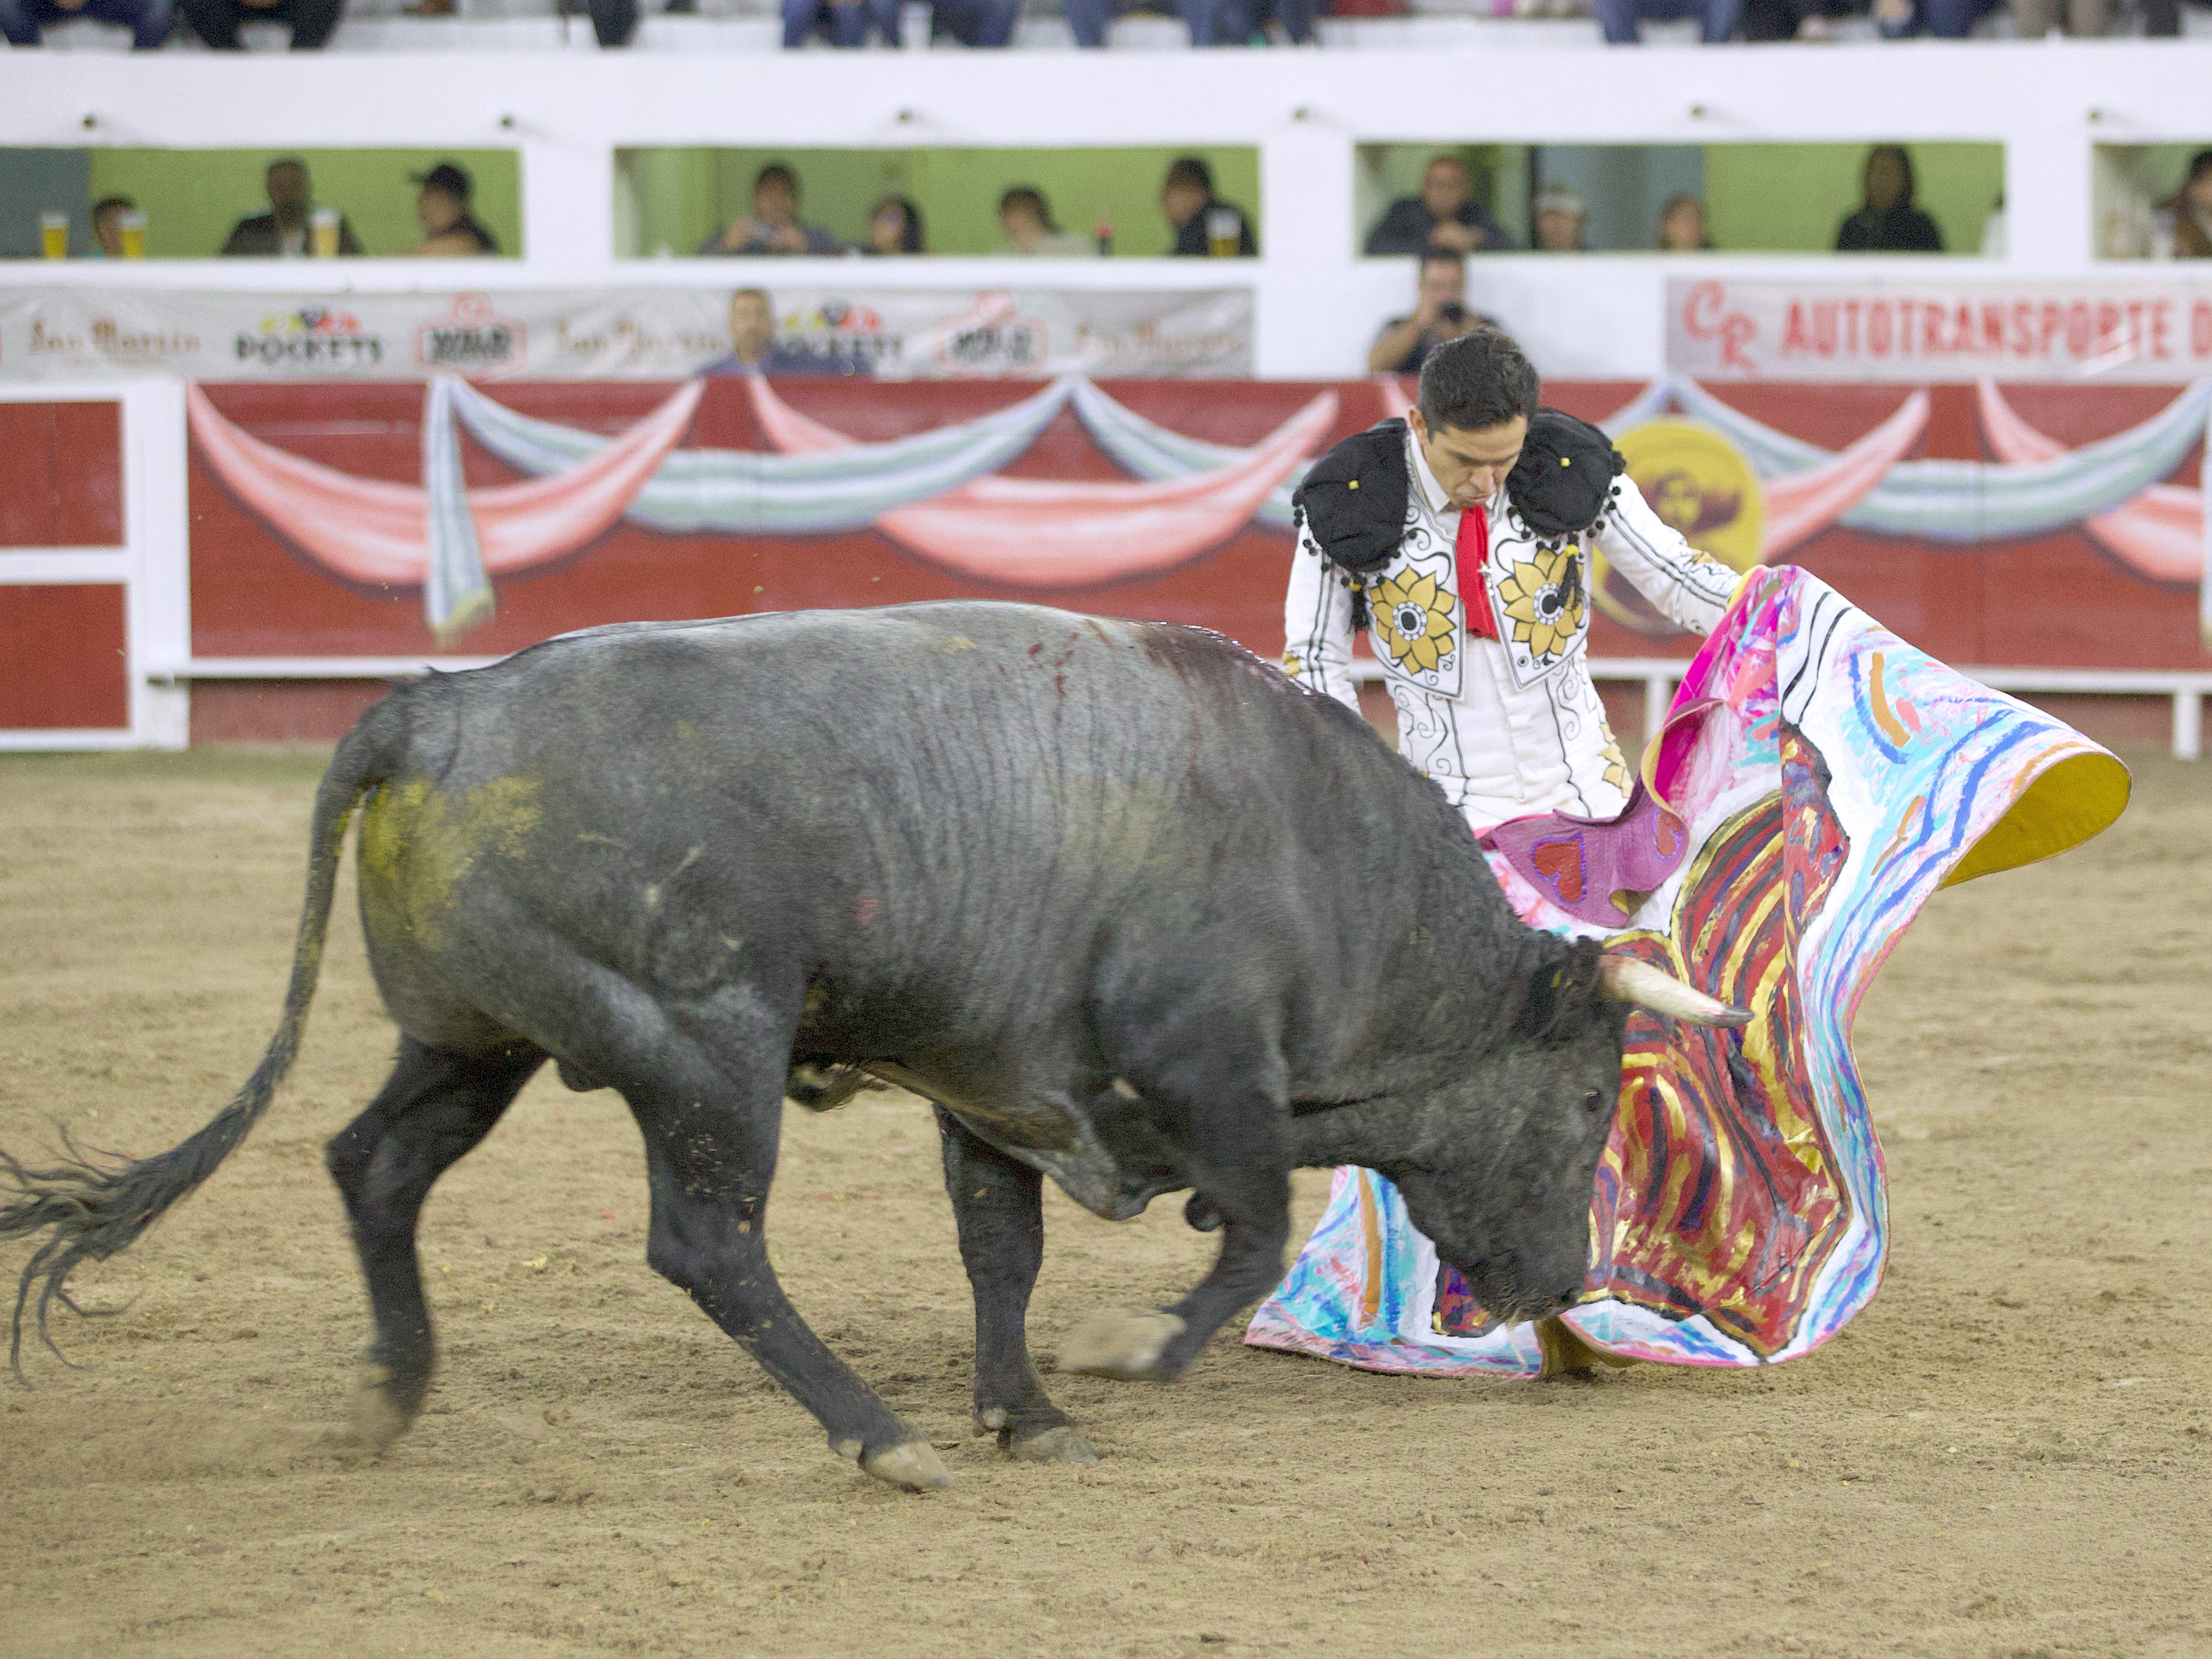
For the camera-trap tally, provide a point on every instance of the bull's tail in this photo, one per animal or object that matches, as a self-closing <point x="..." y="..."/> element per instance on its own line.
<point x="91" y="1207"/>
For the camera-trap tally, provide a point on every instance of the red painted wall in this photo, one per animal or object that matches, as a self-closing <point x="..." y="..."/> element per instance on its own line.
<point x="61" y="474"/>
<point x="62" y="663"/>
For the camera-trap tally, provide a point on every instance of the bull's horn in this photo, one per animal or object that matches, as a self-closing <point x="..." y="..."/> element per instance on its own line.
<point x="1630" y="979"/>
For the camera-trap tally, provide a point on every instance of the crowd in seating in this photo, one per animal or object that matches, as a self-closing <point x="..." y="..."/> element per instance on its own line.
<point x="1198" y="221"/>
<point x="1440" y="227"/>
<point x="991" y="23"/>
<point x="298" y="226"/>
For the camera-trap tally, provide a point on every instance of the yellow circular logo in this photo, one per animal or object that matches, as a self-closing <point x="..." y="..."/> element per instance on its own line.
<point x="1699" y="483"/>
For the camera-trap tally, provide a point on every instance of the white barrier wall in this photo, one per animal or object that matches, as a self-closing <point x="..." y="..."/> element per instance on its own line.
<point x="1318" y="304"/>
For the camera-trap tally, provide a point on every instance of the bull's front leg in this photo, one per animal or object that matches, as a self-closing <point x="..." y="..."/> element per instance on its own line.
<point x="1241" y="1175"/>
<point x="998" y="1206"/>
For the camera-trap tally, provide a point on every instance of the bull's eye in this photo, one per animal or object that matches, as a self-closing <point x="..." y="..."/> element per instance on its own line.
<point x="1594" y="1103"/>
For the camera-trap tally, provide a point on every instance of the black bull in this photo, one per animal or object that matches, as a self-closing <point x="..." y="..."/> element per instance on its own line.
<point x="1134" y="910"/>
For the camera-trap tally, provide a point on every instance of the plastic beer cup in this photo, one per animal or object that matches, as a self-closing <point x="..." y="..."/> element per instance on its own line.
<point x="323" y="233"/>
<point x="134" y="234"/>
<point x="53" y="235"/>
<point x="1221" y="237"/>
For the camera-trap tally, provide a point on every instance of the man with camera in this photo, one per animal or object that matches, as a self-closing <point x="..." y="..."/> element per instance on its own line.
<point x="1440" y="314"/>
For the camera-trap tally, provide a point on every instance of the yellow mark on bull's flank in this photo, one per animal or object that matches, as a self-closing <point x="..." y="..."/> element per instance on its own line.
<point x="957" y="643"/>
<point x="418" y="842"/>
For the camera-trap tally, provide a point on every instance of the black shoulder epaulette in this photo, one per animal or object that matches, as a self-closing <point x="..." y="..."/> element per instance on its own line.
<point x="1563" y="483"/>
<point x="1353" y="499"/>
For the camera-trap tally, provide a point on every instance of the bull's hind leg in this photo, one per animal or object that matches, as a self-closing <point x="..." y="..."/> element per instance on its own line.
<point x="435" y="1106"/>
<point x="999" y="1206"/>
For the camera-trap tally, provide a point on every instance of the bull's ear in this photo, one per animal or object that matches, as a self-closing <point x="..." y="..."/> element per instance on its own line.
<point x="1630" y="979"/>
<point x="1559" y="991"/>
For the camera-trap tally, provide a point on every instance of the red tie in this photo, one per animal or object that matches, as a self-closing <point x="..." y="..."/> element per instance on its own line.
<point x="1471" y="555"/>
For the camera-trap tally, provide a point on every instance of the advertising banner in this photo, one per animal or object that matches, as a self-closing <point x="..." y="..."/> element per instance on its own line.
<point x="2026" y="525"/>
<point x="1890" y="330"/>
<point x="624" y="334"/>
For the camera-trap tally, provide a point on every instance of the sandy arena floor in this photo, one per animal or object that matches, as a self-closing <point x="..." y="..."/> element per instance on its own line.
<point x="2007" y="1455"/>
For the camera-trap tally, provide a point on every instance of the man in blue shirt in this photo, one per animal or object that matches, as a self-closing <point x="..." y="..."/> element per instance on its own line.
<point x="754" y="349"/>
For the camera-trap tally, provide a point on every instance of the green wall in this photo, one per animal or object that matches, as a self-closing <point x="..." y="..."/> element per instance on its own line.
<point x="192" y="197"/>
<point x="683" y="195"/>
<point x="1789" y="199"/>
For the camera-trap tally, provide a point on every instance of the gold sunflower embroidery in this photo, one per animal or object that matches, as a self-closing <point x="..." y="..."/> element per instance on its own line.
<point x="1413" y="620"/>
<point x="1543" y="595"/>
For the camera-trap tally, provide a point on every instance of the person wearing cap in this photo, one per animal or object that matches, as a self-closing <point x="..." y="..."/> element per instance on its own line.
<point x="1460" y="540"/>
<point x="452" y="232"/>
<point x="1558" y="217"/>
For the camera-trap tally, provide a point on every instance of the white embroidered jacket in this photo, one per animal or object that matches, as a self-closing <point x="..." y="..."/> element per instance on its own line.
<point x="1511" y="726"/>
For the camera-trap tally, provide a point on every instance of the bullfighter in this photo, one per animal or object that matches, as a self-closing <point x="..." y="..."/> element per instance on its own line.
<point x="1459" y="538"/>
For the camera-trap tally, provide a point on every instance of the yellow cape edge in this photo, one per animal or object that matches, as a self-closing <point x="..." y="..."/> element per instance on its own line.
<point x="2064" y="804"/>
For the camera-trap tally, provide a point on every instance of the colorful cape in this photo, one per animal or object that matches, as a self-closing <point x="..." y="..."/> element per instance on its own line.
<point x="1830" y="778"/>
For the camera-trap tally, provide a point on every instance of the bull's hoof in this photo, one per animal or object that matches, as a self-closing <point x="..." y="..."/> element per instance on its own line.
<point x="379" y="1418"/>
<point x="911" y="1466"/>
<point x="1057" y="1444"/>
<point x="1123" y="1343"/>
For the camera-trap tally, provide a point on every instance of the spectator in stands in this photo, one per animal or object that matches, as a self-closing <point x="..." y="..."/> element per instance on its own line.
<point x="2182" y="227"/>
<point x="844" y="22"/>
<point x="894" y="227"/>
<point x="1795" y="20"/>
<point x="754" y="349"/>
<point x="284" y="232"/>
<point x="1889" y="222"/>
<point x="216" y="22"/>
<point x="1212" y="22"/>
<point x="612" y="21"/>
<point x="1025" y="221"/>
<point x="1294" y="17"/>
<point x="985" y="24"/>
<point x="108" y="222"/>
<point x="146" y="20"/>
<point x="1682" y="226"/>
<point x="1946" y="20"/>
<point x="1558" y="219"/>
<point x="1440" y="313"/>
<point x="451" y="231"/>
<point x="1619" y="18"/>
<point x="1201" y="219"/>
<point x="1444" y="216"/>
<point x="774" y="227"/>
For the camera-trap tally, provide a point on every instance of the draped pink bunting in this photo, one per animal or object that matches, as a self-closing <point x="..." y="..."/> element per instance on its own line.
<point x="2159" y="532"/>
<point x="372" y="531"/>
<point x="1802" y="505"/>
<point x="1031" y="532"/>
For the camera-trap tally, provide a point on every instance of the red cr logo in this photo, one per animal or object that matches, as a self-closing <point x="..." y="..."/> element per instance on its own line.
<point x="1706" y="316"/>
